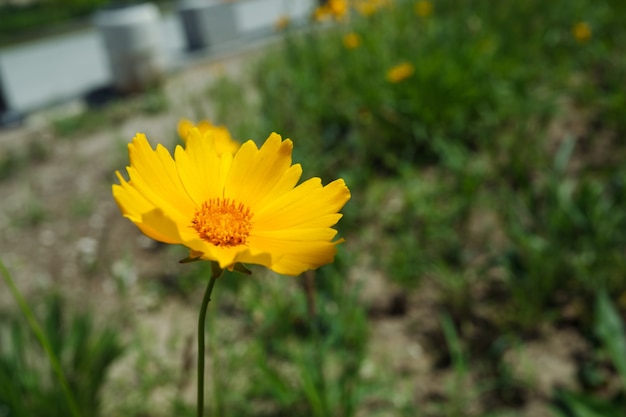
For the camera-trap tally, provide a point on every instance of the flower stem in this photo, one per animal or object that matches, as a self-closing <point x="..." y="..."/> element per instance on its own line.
<point x="216" y="271"/>
<point x="39" y="334"/>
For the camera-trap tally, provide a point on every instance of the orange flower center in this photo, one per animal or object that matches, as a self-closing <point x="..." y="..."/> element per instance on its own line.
<point x="222" y="222"/>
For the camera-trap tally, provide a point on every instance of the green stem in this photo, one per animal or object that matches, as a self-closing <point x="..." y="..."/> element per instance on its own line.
<point x="39" y="334"/>
<point x="215" y="274"/>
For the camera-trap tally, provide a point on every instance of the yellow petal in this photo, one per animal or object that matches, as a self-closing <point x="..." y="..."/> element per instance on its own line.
<point x="307" y="204"/>
<point x="219" y="134"/>
<point x="133" y="206"/>
<point x="226" y="257"/>
<point x="183" y="128"/>
<point x="223" y="141"/>
<point x="153" y="174"/>
<point x="297" y="256"/>
<point x="255" y="172"/>
<point x="199" y="168"/>
<point x="313" y="234"/>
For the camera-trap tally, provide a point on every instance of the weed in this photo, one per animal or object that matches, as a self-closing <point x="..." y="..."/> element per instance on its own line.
<point x="26" y="380"/>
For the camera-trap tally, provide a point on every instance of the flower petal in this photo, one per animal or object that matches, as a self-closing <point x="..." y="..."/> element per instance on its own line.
<point x="226" y="257"/>
<point x="297" y="257"/>
<point x="183" y="128"/>
<point x="256" y="172"/>
<point x="133" y="206"/>
<point x="153" y="174"/>
<point x="200" y="168"/>
<point x="307" y="205"/>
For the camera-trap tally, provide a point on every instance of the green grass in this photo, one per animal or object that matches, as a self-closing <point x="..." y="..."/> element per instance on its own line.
<point x="27" y="383"/>
<point x="467" y="139"/>
<point x="458" y="173"/>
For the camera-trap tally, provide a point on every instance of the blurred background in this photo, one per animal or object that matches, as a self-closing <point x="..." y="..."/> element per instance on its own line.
<point x="484" y="268"/>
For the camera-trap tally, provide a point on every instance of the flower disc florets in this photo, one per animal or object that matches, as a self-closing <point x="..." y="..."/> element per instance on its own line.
<point x="222" y="222"/>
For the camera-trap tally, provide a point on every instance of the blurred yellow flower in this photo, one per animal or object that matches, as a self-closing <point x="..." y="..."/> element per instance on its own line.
<point x="400" y="72"/>
<point x="230" y="208"/>
<point x="282" y="23"/>
<point x="423" y="8"/>
<point x="337" y="9"/>
<point x="581" y="31"/>
<point x="366" y="7"/>
<point x="221" y="136"/>
<point x="369" y="7"/>
<point x="351" y="40"/>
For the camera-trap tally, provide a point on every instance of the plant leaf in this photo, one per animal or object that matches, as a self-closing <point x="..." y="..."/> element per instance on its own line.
<point x="610" y="330"/>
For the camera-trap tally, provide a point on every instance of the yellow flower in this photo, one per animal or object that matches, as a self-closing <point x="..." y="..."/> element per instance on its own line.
<point x="366" y="8"/>
<point x="337" y="9"/>
<point x="320" y="13"/>
<point x="400" y="72"/>
<point x="369" y="7"/>
<point x="581" y="32"/>
<point x="351" y="40"/>
<point x="423" y="8"/>
<point x="230" y="208"/>
<point x="282" y="23"/>
<point x="221" y="136"/>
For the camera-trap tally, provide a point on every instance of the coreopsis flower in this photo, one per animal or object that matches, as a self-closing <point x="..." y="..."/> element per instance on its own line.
<point x="282" y="23"/>
<point x="423" y="8"/>
<point x="351" y="40"/>
<point x="221" y="136"/>
<point x="369" y="7"/>
<point x="581" y="32"/>
<point x="337" y="9"/>
<point x="366" y="7"/>
<point x="232" y="208"/>
<point x="400" y="72"/>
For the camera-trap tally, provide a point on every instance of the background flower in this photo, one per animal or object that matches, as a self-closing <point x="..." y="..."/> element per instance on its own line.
<point x="582" y="31"/>
<point x="423" y="8"/>
<point x="220" y="134"/>
<point x="282" y="23"/>
<point x="351" y="40"/>
<point x="337" y="9"/>
<point x="400" y="72"/>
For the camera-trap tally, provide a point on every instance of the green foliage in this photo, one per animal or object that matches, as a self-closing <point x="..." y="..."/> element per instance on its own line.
<point x="577" y="405"/>
<point x="27" y="384"/>
<point x="467" y="140"/>
<point x="308" y="349"/>
<point x="466" y="86"/>
<point x="495" y="169"/>
<point x="565" y="234"/>
<point x="12" y="160"/>
<point x="9" y="164"/>
<point x="609" y="329"/>
<point x="234" y="109"/>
